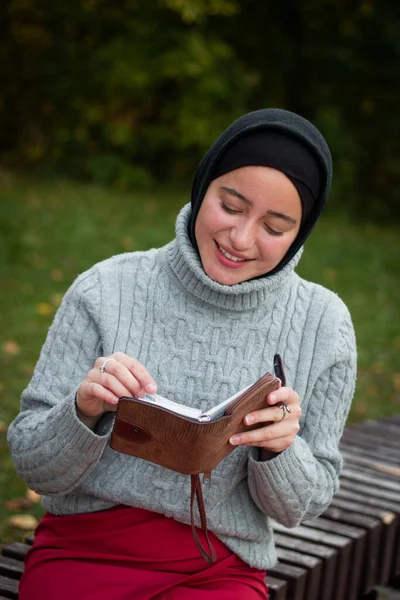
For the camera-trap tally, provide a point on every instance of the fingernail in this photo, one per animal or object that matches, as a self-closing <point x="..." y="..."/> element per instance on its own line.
<point x="272" y="398"/>
<point x="249" y="420"/>
<point x="151" y="388"/>
<point x="235" y="439"/>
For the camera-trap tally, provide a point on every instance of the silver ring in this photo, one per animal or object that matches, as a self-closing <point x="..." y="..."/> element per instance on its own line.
<point x="103" y="366"/>
<point x="285" y="409"/>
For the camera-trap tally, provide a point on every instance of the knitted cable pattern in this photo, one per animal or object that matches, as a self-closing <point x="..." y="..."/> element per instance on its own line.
<point x="202" y="342"/>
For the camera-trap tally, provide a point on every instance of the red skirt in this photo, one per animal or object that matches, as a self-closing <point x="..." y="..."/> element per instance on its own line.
<point x="131" y="553"/>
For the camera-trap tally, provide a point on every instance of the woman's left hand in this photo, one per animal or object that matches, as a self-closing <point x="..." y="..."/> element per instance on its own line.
<point x="281" y="424"/>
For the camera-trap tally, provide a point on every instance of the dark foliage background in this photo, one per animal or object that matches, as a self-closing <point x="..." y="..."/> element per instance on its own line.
<point x="126" y="92"/>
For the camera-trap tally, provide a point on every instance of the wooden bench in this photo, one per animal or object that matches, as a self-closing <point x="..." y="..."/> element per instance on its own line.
<point x="342" y="555"/>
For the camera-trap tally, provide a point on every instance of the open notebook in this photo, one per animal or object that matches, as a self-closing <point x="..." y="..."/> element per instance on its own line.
<point x="193" y="413"/>
<point x="216" y="411"/>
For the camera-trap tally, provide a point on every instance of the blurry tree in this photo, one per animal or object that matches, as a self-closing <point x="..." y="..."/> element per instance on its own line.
<point x="116" y="90"/>
<point x="336" y="62"/>
<point x="125" y="91"/>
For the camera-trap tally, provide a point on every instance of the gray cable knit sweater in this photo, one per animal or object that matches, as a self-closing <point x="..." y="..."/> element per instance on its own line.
<point x="202" y="342"/>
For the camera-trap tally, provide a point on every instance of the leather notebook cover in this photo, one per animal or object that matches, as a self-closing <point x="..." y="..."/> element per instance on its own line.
<point x="161" y="436"/>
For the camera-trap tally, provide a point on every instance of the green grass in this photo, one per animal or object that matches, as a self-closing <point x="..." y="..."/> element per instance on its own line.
<point x="52" y="230"/>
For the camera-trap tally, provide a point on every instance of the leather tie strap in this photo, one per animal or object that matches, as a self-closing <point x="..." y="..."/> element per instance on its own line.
<point x="196" y="492"/>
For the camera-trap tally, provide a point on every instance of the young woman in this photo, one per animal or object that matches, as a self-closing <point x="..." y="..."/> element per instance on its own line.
<point x="197" y="320"/>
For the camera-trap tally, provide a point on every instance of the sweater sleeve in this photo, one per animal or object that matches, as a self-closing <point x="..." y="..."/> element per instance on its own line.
<point x="299" y="483"/>
<point x="53" y="451"/>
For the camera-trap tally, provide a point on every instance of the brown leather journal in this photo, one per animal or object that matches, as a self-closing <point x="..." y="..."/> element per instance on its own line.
<point x="184" y="444"/>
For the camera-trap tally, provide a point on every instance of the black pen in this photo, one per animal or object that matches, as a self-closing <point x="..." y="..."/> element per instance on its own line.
<point x="278" y="369"/>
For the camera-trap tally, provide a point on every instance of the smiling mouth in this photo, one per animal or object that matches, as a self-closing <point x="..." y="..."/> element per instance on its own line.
<point x="235" y="259"/>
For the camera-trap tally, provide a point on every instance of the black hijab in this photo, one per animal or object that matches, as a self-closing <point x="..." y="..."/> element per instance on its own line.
<point x="279" y="139"/>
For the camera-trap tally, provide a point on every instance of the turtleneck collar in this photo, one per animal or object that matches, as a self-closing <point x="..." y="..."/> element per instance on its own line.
<point x="185" y="263"/>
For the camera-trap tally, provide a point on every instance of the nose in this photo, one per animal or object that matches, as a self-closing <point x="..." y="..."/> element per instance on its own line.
<point x="242" y="236"/>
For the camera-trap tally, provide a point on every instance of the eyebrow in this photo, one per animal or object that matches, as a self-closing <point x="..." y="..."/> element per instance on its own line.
<point x="272" y="213"/>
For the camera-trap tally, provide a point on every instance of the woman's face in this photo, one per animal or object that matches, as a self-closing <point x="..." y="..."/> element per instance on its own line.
<point x="247" y="222"/>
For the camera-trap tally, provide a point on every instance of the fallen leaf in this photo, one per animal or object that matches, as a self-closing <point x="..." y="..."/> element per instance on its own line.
<point x="35" y="259"/>
<point x="28" y="370"/>
<point x="33" y="496"/>
<point x="330" y="274"/>
<point x="372" y="389"/>
<point x="18" y="504"/>
<point x="43" y="308"/>
<point x="396" y="381"/>
<point x="27" y="289"/>
<point x="11" y="348"/>
<point x="376" y="369"/>
<point x="25" y="522"/>
<point x="360" y="408"/>
<point x="127" y="243"/>
<point x="57" y="275"/>
<point x="68" y="263"/>
<point x="150" y="207"/>
<point x="32" y="326"/>
<point x="56" y="299"/>
<point x="34" y="201"/>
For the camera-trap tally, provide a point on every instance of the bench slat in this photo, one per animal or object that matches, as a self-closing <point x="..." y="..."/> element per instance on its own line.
<point x="295" y="577"/>
<point x="16" y="550"/>
<point x="11" y="567"/>
<point x="373" y="550"/>
<point x="369" y="453"/>
<point x="378" y="465"/>
<point x="341" y="543"/>
<point x="9" y="587"/>
<point x="370" y="490"/>
<point x="385" y="451"/>
<point x="345" y="553"/>
<point x="327" y="555"/>
<point x="375" y="431"/>
<point x="277" y="588"/>
<point x="379" y="481"/>
<point x="396" y="558"/>
<point x="390" y="474"/>
<point x="393" y="420"/>
<point x="369" y="500"/>
<point x="390" y="425"/>
<point x="358" y="536"/>
<point x="311" y="564"/>
<point x="389" y="524"/>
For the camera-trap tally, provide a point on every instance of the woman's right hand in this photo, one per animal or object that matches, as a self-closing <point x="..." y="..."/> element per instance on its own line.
<point x="100" y="391"/>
